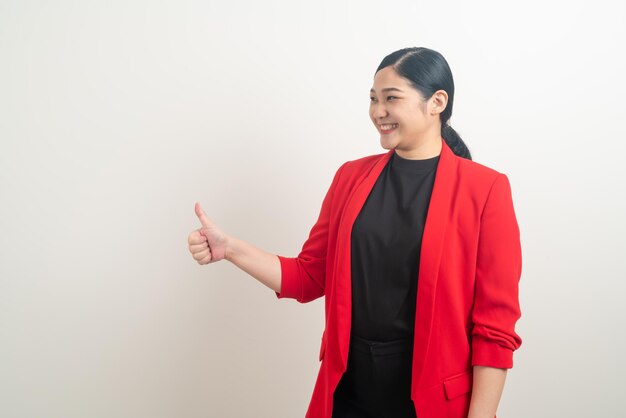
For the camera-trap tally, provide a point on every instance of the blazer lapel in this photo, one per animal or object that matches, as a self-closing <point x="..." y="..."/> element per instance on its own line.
<point x="430" y="256"/>
<point x="343" y="273"/>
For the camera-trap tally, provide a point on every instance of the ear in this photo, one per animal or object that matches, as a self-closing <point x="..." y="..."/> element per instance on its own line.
<point x="439" y="101"/>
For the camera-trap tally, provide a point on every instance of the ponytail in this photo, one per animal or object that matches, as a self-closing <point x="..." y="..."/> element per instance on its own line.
<point x="454" y="141"/>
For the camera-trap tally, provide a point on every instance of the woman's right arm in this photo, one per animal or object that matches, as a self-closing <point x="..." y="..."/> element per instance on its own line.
<point x="301" y="278"/>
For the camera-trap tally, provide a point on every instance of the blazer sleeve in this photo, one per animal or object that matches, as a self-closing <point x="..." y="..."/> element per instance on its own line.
<point x="304" y="277"/>
<point x="499" y="266"/>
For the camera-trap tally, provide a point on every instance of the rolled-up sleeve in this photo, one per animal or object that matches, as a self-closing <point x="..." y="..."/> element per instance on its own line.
<point x="304" y="277"/>
<point x="499" y="266"/>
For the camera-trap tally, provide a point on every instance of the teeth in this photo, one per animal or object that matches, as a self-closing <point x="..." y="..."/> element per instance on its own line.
<point x="388" y="126"/>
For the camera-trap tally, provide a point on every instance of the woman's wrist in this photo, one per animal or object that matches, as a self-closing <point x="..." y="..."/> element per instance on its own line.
<point x="229" y="248"/>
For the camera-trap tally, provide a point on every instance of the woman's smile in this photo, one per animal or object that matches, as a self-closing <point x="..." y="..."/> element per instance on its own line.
<point x="387" y="128"/>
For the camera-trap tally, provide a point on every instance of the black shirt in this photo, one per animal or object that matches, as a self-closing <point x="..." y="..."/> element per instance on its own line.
<point x="385" y="249"/>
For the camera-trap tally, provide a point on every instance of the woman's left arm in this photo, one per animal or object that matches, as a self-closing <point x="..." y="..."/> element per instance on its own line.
<point x="486" y="391"/>
<point x="496" y="303"/>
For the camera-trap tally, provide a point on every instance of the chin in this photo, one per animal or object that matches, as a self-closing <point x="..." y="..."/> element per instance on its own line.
<point x="387" y="144"/>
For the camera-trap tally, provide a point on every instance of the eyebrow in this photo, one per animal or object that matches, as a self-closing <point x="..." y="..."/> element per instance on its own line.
<point x="385" y="90"/>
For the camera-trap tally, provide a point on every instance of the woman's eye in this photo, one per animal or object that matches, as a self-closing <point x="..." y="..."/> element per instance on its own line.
<point x="372" y="99"/>
<point x="391" y="97"/>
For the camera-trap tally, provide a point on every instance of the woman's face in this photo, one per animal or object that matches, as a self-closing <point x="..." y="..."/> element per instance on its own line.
<point x="401" y="115"/>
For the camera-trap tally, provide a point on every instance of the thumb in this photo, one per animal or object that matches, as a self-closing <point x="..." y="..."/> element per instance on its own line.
<point x="204" y="220"/>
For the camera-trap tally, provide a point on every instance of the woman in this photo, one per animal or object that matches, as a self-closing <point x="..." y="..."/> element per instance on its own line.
<point x="417" y="252"/>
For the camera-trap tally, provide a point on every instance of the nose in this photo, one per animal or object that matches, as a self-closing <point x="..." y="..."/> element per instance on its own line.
<point x="379" y="111"/>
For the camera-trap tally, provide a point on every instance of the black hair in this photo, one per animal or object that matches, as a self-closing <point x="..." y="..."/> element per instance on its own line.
<point x="428" y="71"/>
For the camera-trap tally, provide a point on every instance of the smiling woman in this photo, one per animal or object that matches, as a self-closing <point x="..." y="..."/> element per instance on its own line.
<point x="417" y="253"/>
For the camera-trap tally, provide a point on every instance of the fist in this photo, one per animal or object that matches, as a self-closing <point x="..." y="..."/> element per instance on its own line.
<point x="207" y="244"/>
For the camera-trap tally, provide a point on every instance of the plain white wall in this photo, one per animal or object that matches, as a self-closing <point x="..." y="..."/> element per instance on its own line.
<point x="116" y="116"/>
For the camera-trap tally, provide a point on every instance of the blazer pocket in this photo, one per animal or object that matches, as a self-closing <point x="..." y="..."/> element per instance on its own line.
<point x="458" y="385"/>
<point x="323" y="346"/>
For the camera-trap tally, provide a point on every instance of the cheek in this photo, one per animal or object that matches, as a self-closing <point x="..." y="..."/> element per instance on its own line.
<point x="411" y="121"/>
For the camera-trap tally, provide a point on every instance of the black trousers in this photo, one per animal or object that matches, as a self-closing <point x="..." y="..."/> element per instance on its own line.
<point x="377" y="381"/>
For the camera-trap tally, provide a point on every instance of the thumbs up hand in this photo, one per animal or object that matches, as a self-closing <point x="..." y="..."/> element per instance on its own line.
<point x="208" y="243"/>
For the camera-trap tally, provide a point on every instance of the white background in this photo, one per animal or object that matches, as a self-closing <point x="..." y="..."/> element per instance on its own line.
<point x="116" y="116"/>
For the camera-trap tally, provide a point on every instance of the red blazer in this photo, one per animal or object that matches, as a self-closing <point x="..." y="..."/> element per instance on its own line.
<point x="467" y="295"/>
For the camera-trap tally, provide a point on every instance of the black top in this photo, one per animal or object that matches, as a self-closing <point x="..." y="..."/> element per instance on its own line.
<point x="386" y="243"/>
